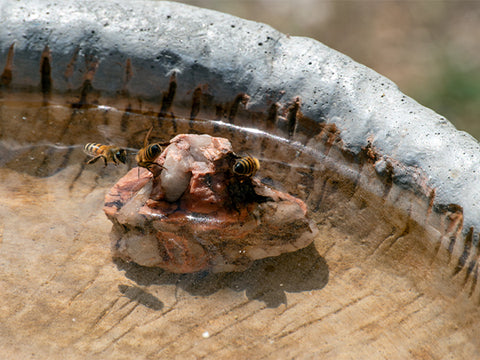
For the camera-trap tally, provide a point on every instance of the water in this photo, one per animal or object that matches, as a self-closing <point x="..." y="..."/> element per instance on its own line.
<point x="64" y="296"/>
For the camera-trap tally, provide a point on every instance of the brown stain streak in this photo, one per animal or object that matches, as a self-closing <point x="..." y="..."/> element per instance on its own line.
<point x="355" y="183"/>
<point x="241" y="98"/>
<point x="168" y="97"/>
<point x="82" y="290"/>
<point x="466" y="252"/>
<point x="45" y="74"/>
<point x="91" y="65"/>
<point x="474" y="271"/>
<point x="218" y="112"/>
<point x="293" y="111"/>
<point x="454" y="217"/>
<point x="94" y="183"/>
<point x="43" y="170"/>
<point x="65" y="159"/>
<point x="128" y="73"/>
<point x="71" y="65"/>
<point x="407" y="316"/>
<point x="322" y="197"/>
<point x="431" y="199"/>
<point x="82" y="102"/>
<point x="115" y="340"/>
<point x="263" y="147"/>
<point x="388" y="179"/>
<point x="103" y="313"/>
<point x="391" y="235"/>
<point x="309" y="177"/>
<point x="272" y="116"/>
<point x="77" y="176"/>
<point x="122" y="317"/>
<point x="125" y="118"/>
<point x="315" y="320"/>
<point x="195" y="109"/>
<point x="6" y="77"/>
<point x="331" y="132"/>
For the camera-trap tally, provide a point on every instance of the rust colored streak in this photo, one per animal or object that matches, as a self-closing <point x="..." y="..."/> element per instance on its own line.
<point x="45" y="72"/>
<point x="466" y="252"/>
<point x="218" y="112"/>
<point x="472" y="269"/>
<point x="6" y="77"/>
<point x="128" y="71"/>
<point x="272" y="116"/>
<point x="307" y="126"/>
<point x="431" y="201"/>
<point x="91" y="65"/>
<point x="126" y="117"/>
<point x="454" y="228"/>
<point x="329" y="134"/>
<point x="168" y="96"/>
<point x="86" y="88"/>
<point x="388" y="178"/>
<point x="292" y="116"/>
<point x="71" y="65"/>
<point x="197" y="95"/>
<point x="241" y="98"/>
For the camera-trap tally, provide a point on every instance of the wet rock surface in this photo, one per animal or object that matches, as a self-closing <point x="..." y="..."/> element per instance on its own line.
<point x="193" y="213"/>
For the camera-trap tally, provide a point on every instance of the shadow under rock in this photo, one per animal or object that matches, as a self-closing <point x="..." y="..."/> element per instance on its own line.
<point x="267" y="280"/>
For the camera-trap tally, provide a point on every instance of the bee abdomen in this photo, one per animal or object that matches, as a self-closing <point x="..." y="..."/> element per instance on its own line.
<point x="92" y="148"/>
<point x="152" y="151"/>
<point x="246" y="166"/>
<point x="146" y="156"/>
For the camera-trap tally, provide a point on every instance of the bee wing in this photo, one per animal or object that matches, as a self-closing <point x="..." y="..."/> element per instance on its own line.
<point x="145" y="142"/>
<point x="112" y="135"/>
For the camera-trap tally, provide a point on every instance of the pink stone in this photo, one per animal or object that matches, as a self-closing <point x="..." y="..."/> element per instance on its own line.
<point x="196" y="214"/>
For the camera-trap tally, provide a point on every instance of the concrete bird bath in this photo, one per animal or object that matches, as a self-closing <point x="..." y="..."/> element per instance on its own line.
<point x="392" y="187"/>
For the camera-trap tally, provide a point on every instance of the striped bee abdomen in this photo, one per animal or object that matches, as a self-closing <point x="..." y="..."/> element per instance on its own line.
<point x="147" y="155"/>
<point x="246" y="166"/>
<point x="93" y="149"/>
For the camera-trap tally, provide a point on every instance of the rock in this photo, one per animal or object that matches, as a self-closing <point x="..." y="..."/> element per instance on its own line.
<point x="196" y="214"/>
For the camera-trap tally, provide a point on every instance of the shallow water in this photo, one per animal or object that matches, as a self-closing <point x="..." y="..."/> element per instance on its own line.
<point x="64" y="296"/>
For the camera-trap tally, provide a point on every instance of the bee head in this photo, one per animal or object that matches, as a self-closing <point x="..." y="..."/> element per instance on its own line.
<point x="121" y="155"/>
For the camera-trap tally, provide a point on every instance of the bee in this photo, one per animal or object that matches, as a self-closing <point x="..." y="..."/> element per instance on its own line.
<point x="246" y="166"/>
<point x="109" y="153"/>
<point x="146" y="156"/>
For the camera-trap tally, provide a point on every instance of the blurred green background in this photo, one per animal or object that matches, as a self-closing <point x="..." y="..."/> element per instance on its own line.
<point x="429" y="48"/>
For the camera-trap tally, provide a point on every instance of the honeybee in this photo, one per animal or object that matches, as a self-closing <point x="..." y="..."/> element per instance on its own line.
<point x="109" y="153"/>
<point x="146" y="156"/>
<point x="246" y="166"/>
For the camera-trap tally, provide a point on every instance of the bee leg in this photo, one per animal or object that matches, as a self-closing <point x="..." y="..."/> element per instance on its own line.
<point x="91" y="161"/>
<point x="105" y="160"/>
